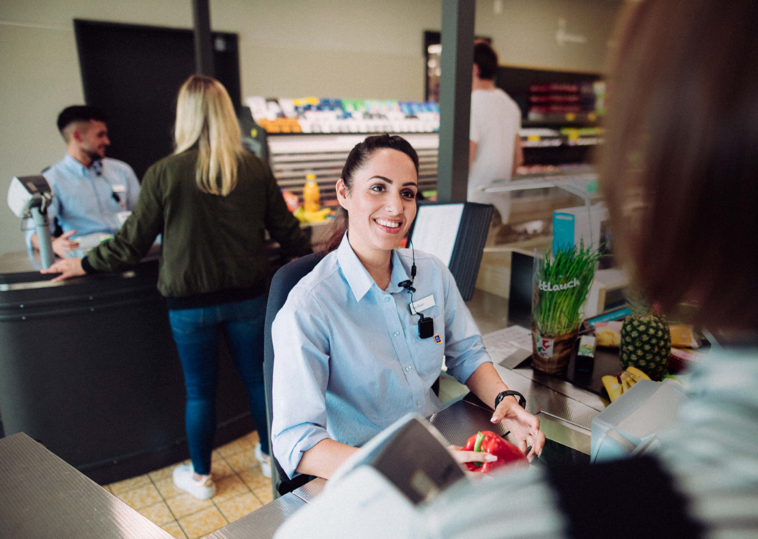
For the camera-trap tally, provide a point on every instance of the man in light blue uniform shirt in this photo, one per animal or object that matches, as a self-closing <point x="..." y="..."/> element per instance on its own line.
<point x="353" y="355"/>
<point x="89" y="190"/>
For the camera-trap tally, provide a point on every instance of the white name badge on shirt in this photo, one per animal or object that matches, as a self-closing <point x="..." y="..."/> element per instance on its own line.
<point x="119" y="188"/>
<point x="422" y="304"/>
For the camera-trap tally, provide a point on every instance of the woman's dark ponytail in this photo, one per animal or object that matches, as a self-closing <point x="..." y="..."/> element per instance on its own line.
<point x="336" y="231"/>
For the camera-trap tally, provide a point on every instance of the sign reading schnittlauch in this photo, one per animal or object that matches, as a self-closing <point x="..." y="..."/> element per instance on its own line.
<point x="549" y="287"/>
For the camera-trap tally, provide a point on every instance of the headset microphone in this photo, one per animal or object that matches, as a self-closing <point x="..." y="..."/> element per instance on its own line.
<point x="425" y="325"/>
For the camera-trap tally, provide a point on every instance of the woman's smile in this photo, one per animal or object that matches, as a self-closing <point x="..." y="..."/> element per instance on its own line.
<point x="389" y="226"/>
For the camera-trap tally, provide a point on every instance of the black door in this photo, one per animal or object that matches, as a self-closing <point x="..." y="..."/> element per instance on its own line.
<point x="134" y="74"/>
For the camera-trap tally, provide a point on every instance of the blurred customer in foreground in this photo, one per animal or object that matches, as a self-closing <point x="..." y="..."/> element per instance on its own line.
<point x="679" y="171"/>
<point x="213" y="202"/>
<point x="89" y="189"/>
<point x="494" y="142"/>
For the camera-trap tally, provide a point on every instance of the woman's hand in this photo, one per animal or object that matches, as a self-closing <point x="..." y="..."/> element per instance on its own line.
<point x="68" y="267"/>
<point x="463" y="457"/>
<point x="523" y="425"/>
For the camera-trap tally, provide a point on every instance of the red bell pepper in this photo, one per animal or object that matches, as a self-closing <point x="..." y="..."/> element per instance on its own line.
<point x="491" y="443"/>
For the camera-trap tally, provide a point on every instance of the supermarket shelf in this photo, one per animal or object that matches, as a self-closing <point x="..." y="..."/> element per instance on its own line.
<point x="292" y="156"/>
<point x="568" y="118"/>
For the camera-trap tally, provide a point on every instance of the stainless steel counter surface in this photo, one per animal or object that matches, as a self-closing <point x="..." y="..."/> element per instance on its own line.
<point x="543" y="392"/>
<point x="20" y="262"/>
<point x="263" y="522"/>
<point x="42" y="496"/>
<point x="20" y="271"/>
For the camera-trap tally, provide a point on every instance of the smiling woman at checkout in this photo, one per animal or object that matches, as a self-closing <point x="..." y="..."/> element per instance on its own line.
<point x="681" y="178"/>
<point x="351" y="359"/>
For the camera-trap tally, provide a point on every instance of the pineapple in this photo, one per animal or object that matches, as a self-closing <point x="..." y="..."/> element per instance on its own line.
<point x="645" y="337"/>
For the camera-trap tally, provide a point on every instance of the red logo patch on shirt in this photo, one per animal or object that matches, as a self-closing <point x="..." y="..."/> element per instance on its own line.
<point x="437" y="339"/>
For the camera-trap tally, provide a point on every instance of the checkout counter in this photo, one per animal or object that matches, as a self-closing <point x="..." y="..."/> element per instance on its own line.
<point x="565" y="411"/>
<point x="89" y="368"/>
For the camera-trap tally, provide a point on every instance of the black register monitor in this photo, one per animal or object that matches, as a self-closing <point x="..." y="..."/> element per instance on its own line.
<point x="455" y="233"/>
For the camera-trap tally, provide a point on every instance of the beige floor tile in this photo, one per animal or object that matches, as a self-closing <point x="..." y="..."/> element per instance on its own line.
<point x="242" y="461"/>
<point x="129" y="484"/>
<point x="265" y="495"/>
<point x="220" y="469"/>
<point x="141" y="497"/>
<point x="254" y="479"/>
<point x="229" y="487"/>
<point x="158" y="513"/>
<point x="240" y="506"/>
<point x="174" y="529"/>
<point x="163" y="473"/>
<point x="253" y="438"/>
<point x="202" y="523"/>
<point x="186" y="504"/>
<point x="167" y="488"/>
<point x="237" y="446"/>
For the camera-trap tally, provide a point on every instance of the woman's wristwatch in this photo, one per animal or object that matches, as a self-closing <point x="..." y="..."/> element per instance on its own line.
<point x="510" y="393"/>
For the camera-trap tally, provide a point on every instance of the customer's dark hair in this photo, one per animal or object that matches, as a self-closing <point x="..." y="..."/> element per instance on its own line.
<point x="680" y="170"/>
<point x="486" y="58"/>
<point x="79" y="113"/>
<point x="358" y="157"/>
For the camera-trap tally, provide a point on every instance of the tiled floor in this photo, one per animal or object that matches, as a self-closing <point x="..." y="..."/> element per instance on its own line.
<point x="241" y="488"/>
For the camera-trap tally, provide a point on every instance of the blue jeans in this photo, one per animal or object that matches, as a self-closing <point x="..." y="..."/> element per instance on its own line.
<point x="196" y="333"/>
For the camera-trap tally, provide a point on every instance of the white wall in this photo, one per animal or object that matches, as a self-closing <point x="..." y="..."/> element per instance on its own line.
<point x="326" y="48"/>
<point x="524" y="34"/>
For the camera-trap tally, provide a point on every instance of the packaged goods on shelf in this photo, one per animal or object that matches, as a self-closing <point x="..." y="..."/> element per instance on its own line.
<point x="542" y="137"/>
<point x="560" y="98"/>
<point x="554" y="87"/>
<point x="320" y="115"/>
<point x="293" y="156"/>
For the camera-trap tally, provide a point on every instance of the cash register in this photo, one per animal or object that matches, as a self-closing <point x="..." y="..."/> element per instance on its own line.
<point x="29" y="197"/>
<point x="377" y="491"/>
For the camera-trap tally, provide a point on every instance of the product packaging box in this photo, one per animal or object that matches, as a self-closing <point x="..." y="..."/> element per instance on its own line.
<point x="572" y="226"/>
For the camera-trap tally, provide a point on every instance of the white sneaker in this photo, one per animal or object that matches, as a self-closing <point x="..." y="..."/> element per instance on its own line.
<point x="265" y="461"/>
<point x="184" y="478"/>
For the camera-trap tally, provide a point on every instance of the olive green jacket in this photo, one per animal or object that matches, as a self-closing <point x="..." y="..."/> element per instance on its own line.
<point x="211" y="243"/>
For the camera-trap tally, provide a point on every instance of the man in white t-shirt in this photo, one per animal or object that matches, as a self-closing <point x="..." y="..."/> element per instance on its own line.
<point x="494" y="143"/>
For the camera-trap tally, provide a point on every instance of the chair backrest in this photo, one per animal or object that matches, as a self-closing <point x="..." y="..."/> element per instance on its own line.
<point x="284" y="280"/>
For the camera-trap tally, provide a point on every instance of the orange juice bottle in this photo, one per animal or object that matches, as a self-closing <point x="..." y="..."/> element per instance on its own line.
<point x="311" y="194"/>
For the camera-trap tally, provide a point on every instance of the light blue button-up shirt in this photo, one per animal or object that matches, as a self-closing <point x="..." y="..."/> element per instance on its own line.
<point x="349" y="359"/>
<point x="83" y="197"/>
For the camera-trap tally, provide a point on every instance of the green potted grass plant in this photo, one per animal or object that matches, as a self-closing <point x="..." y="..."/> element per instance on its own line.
<point x="562" y="281"/>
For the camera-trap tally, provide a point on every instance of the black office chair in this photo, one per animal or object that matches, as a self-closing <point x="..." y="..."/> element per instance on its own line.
<point x="284" y="280"/>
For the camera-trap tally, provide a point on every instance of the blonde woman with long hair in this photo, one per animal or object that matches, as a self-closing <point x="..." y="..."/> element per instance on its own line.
<point x="212" y="201"/>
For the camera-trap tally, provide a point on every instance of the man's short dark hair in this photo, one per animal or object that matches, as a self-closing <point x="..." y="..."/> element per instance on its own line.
<point x="486" y="58"/>
<point x="79" y="113"/>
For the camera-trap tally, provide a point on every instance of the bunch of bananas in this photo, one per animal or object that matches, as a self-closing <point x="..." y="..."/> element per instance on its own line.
<point x="618" y="385"/>
<point x="311" y="216"/>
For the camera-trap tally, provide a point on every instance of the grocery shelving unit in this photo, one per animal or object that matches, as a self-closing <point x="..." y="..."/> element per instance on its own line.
<point x="293" y="156"/>
<point x="312" y="136"/>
